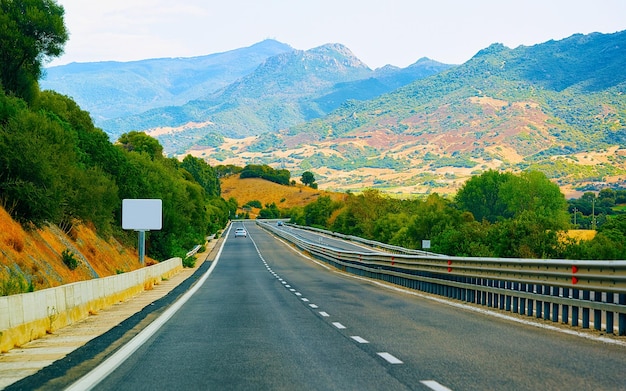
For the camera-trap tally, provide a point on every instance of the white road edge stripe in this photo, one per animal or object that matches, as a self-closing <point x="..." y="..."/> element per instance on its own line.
<point x="390" y="358"/>
<point x="433" y="385"/>
<point x="324" y="314"/>
<point x="339" y="325"/>
<point x="109" y="365"/>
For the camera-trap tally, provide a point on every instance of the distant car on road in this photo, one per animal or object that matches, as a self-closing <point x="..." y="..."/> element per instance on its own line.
<point x="280" y="223"/>
<point x="241" y="232"/>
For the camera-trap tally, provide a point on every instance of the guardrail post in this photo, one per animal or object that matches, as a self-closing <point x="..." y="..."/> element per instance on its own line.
<point x="610" y="298"/>
<point x="546" y="303"/>
<point x="507" y="306"/>
<point x="621" y="327"/>
<point x="539" y="291"/>
<point x="597" y="314"/>
<point x="586" y="297"/>
<point x="565" y="316"/>
<point x="555" y="306"/>
<point x="522" y="300"/>
<point x="515" y="307"/>
<point x="575" y="309"/>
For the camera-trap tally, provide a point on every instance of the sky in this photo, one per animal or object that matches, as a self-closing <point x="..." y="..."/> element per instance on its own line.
<point x="378" y="32"/>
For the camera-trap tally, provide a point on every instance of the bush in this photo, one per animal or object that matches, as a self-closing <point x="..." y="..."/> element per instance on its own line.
<point x="14" y="284"/>
<point x="189" y="261"/>
<point x="69" y="259"/>
<point x="254" y="204"/>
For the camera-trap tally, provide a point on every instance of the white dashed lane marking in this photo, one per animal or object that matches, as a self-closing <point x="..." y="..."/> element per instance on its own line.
<point x="433" y="385"/>
<point x="389" y="358"/>
<point x="359" y="339"/>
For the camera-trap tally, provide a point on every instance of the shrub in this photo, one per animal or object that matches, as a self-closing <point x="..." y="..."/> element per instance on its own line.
<point x="69" y="259"/>
<point x="189" y="261"/>
<point x="254" y="204"/>
<point x="14" y="284"/>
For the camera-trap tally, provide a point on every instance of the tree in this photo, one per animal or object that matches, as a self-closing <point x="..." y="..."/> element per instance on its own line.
<point x="317" y="213"/>
<point x="32" y="31"/>
<point x="141" y="142"/>
<point x="480" y="195"/>
<point x="203" y="174"/>
<point x="307" y="178"/>
<point x="532" y="195"/>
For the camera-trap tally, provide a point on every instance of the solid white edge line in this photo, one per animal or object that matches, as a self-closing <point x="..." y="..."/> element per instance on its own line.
<point x="109" y="365"/>
<point x="493" y="314"/>
<point x="433" y="385"/>
<point x="390" y="358"/>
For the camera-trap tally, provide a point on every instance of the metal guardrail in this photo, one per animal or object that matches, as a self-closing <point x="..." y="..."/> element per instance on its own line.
<point x="370" y="243"/>
<point x="558" y="290"/>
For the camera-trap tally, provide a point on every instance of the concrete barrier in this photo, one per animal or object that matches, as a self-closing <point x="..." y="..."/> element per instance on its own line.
<point x="28" y="316"/>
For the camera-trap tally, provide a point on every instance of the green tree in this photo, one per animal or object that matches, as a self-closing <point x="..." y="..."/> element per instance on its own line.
<point x="307" y="178"/>
<point x="269" y="212"/>
<point x="32" y="32"/>
<point x="203" y="174"/>
<point x="481" y="196"/>
<point x="533" y="196"/>
<point x="140" y="142"/>
<point x="317" y="213"/>
<point x="433" y="217"/>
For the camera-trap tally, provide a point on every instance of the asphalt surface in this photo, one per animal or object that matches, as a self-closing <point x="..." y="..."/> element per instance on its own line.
<point x="267" y="318"/>
<point x="56" y="360"/>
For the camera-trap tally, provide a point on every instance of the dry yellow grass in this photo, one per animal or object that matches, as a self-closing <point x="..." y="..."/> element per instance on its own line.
<point x="581" y="234"/>
<point x="36" y="254"/>
<point x="256" y="189"/>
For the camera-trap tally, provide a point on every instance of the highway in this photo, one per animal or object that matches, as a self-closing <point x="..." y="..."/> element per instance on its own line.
<point x="267" y="318"/>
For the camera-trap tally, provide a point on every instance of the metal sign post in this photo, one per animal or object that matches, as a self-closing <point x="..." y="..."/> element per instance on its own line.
<point x="142" y="215"/>
<point x="142" y="246"/>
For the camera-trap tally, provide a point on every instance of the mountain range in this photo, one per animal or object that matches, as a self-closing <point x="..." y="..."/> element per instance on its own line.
<point x="558" y="107"/>
<point x="119" y="89"/>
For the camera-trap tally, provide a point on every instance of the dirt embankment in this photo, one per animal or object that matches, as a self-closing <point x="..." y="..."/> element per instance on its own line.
<point x="37" y="255"/>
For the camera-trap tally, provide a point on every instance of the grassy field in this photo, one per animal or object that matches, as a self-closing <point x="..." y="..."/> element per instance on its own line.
<point x="266" y="192"/>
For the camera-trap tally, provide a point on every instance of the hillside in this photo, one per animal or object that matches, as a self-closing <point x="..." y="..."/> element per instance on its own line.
<point x="557" y="107"/>
<point x="37" y="255"/>
<point x="256" y="189"/>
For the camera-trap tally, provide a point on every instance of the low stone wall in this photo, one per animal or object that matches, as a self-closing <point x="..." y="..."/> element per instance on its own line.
<point x="28" y="316"/>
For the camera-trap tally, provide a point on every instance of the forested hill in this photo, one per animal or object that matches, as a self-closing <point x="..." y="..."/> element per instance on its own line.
<point x="558" y="107"/>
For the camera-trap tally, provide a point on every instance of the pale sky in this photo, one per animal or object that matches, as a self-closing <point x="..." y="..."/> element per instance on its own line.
<point x="378" y="32"/>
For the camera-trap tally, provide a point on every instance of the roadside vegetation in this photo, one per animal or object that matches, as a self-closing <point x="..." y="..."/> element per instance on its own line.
<point x="493" y="215"/>
<point x="58" y="168"/>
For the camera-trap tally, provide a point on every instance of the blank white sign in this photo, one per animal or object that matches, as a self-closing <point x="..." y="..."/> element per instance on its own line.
<point x="142" y="214"/>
